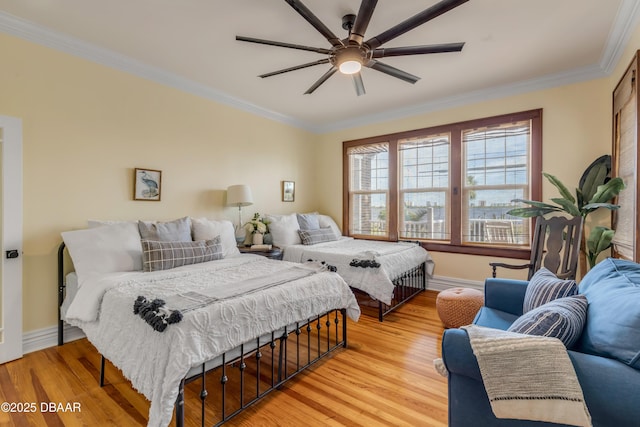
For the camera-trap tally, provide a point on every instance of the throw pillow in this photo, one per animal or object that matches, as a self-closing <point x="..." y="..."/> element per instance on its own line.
<point x="166" y="255"/>
<point x="327" y="221"/>
<point x="308" y="221"/>
<point x="311" y="237"/>
<point x="543" y="287"/>
<point x="178" y="230"/>
<point x="562" y="318"/>
<point x="284" y="229"/>
<point x="105" y="249"/>
<point x="613" y="321"/>
<point x="207" y="229"/>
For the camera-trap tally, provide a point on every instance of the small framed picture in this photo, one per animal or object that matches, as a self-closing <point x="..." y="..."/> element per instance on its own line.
<point x="147" y="185"/>
<point x="288" y="191"/>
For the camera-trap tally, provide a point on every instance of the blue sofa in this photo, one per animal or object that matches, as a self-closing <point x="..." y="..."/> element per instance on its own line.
<point x="606" y="358"/>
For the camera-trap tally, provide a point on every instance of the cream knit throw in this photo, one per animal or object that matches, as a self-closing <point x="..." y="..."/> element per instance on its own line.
<point x="528" y="377"/>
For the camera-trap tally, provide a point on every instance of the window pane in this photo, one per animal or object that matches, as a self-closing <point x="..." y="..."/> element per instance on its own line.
<point x="369" y="214"/>
<point x="424" y="215"/>
<point x="368" y="186"/>
<point x="496" y="167"/>
<point x="424" y="211"/>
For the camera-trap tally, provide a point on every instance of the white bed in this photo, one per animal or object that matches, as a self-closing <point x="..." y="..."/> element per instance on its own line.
<point x="394" y="260"/>
<point x="389" y="272"/>
<point x="239" y="298"/>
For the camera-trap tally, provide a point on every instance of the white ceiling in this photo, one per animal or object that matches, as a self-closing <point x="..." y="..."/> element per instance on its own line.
<point x="511" y="46"/>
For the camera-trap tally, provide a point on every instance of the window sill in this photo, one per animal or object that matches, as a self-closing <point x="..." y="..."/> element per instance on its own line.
<point x="478" y="250"/>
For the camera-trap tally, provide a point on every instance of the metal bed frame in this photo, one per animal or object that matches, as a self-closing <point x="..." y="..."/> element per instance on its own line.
<point x="270" y="361"/>
<point x="406" y="286"/>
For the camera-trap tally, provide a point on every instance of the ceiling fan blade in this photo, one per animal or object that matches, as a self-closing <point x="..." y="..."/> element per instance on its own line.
<point x="313" y="20"/>
<point x="358" y="84"/>
<point x="417" y="50"/>
<point x="321" y="80"/>
<point x="362" y="21"/>
<point x="281" y="44"/>
<point x="297" y="67"/>
<point x="413" y="22"/>
<point x="393" y="71"/>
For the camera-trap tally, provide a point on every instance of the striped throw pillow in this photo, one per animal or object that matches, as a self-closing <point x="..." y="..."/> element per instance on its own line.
<point x="543" y="287"/>
<point x="166" y="255"/>
<point x="563" y="318"/>
<point x="311" y="237"/>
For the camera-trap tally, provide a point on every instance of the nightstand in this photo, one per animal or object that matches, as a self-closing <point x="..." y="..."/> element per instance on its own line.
<point x="274" y="253"/>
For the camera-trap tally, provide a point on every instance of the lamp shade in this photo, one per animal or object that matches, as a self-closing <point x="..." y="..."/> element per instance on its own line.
<point x="239" y="195"/>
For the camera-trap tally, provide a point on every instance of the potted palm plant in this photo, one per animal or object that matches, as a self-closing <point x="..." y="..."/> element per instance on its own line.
<point x="595" y="190"/>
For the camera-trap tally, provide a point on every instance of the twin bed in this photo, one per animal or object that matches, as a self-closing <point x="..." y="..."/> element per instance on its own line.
<point x="201" y="307"/>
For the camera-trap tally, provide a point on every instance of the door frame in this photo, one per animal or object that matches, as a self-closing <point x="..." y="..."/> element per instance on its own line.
<point x="11" y="346"/>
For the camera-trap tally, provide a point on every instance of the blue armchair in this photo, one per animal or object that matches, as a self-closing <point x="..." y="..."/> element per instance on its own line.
<point x="611" y="387"/>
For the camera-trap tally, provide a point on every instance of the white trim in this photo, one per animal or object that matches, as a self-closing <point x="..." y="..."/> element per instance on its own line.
<point x="11" y="282"/>
<point x="441" y="283"/>
<point x="624" y="24"/>
<point x="48" y="337"/>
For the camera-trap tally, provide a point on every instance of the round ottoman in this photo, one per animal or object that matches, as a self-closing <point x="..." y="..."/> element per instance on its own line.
<point x="458" y="306"/>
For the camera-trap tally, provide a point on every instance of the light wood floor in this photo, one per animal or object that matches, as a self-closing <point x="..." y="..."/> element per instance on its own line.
<point x="384" y="378"/>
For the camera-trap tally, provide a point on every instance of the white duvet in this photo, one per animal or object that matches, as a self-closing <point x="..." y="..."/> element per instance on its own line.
<point x="395" y="258"/>
<point x="156" y="362"/>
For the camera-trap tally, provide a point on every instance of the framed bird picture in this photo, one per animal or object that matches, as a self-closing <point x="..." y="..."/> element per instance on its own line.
<point x="147" y="185"/>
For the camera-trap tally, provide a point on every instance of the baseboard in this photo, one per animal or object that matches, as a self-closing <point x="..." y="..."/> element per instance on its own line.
<point x="48" y="337"/>
<point x="440" y="283"/>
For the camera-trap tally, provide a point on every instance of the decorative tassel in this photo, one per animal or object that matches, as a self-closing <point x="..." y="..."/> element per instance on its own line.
<point x="155" y="313"/>
<point x="364" y="263"/>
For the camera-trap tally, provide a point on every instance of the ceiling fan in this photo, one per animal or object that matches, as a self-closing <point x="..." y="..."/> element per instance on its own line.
<point x="349" y="55"/>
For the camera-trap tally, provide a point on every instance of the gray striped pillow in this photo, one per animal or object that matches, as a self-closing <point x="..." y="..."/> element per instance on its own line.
<point x="166" y="255"/>
<point x="311" y="237"/>
<point x="562" y="318"/>
<point x="543" y="287"/>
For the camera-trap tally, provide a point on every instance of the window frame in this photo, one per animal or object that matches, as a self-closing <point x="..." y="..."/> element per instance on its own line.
<point x="456" y="183"/>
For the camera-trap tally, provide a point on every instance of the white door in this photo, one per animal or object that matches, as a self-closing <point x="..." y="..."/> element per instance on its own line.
<point x="11" y="238"/>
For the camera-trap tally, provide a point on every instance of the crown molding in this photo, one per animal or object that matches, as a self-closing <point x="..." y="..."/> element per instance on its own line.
<point x="624" y="24"/>
<point x="29" y="31"/>
<point x="482" y="95"/>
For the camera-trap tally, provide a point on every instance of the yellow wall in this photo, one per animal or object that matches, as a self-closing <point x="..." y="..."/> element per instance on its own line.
<point x="86" y="126"/>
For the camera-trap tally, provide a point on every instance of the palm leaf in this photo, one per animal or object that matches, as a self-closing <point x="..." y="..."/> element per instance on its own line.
<point x="593" y="206"/>
<point x="608" y="191"/>
<point x="564" y="191"/>
<point x="531" y="212"/>
<point x="596" y="174"/>
<point x="567" y="206"/>
<point x="536" y="204"/>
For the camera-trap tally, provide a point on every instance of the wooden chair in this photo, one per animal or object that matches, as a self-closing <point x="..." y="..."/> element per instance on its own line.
<point x="555" y="246"/>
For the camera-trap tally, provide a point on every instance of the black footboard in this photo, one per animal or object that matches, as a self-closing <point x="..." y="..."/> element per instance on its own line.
<point x="406" y="286"/>
<point x="247" y="374"/>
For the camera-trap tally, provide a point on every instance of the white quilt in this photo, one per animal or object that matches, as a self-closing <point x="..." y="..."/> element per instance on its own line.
<point x="156" y="362"/>
<point x="394" y="258"/>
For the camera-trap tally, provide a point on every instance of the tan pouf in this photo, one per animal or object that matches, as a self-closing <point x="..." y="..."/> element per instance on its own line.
<point x="458" y="306"/>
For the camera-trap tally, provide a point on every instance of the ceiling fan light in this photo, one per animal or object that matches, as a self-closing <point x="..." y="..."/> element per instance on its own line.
<point x="350" y="67"/>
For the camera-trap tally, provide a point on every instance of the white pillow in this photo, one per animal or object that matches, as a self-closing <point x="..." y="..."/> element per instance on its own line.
<point x="207" y="229"/>
<point x="284" y="229"/>
<point x="326" y="221"/>
<point x="178" y="230"/>
<point x="105" y="249"/>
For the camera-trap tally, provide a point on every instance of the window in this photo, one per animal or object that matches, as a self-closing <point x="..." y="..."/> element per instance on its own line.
<point x="449" y="186"/>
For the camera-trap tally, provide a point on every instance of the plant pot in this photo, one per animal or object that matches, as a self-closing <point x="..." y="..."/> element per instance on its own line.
<point x="257" y="238"/>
